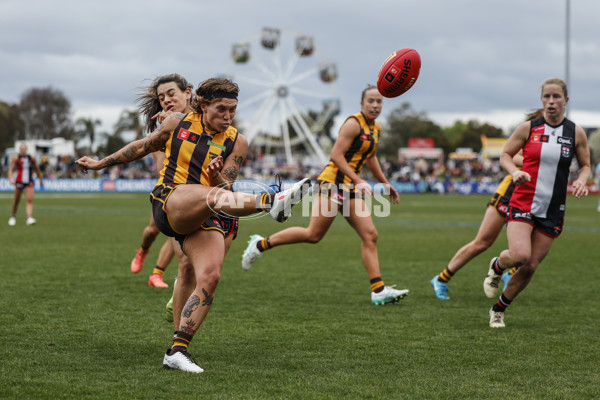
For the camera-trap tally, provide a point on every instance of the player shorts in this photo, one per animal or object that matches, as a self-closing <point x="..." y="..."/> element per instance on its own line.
<point x="548" y="226"/>
<point x="226" y="224"/>
<point x="501" y="198"/>
<point x="338" y="193"/>
<point x="21" y="185"/>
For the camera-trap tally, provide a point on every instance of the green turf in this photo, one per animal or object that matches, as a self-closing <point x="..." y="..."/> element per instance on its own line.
<point x="76" y="323"/>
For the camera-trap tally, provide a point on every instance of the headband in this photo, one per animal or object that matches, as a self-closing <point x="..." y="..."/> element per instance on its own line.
<point x="220" y="94"/>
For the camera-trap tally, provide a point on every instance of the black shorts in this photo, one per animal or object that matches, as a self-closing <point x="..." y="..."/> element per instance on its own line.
<point x="549" y="227"/>
<point x="501" y="198"/>
<point x="338" y="193"/>
<point x="225" y="224"/>
<point x="21" y="185"/>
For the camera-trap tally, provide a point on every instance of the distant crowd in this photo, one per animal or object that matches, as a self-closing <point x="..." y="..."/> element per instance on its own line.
<point x="255" y="167"/>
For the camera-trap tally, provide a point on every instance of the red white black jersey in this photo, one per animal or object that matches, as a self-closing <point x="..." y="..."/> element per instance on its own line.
<point x="547" y="156"/>
<point x="24" y="169"/>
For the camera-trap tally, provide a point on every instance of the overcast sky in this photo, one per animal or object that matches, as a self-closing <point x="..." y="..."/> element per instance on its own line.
<point x="480" y="58"/>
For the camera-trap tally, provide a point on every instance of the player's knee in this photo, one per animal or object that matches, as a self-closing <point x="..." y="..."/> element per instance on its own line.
<point x="209" y="279"/>
<point x="371" y="236"/>
<point x="315" y="237"/>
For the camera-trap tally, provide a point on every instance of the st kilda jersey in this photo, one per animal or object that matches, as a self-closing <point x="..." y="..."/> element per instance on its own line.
<point x="363" y="146"/>
<point x="191" y="148"/>
<point x="24" y="169"/>
<point x="547" y="156"/>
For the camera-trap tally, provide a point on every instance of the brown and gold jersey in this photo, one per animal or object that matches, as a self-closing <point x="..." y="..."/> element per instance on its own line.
<point x="363" y="146"/>
<point x="190" y="149"/>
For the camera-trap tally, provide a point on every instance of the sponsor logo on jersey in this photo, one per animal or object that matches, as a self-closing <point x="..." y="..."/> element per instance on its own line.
<point x="217" y="145"/>
<point x="565" y="140"/>
<point x="538" y="129"/>
<point x="364" y="136"/>
<point x="188" y="136"/>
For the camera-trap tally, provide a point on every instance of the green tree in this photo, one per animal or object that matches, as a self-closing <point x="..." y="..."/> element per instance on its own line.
<point x="11" y="126"/>
<point x="404" y="123"/>
<point x="45" y="114"/>
<point x="129" y="120"/>
<point x="469" y="134"/>
<point x="113" y="143"/>
<point x="86" y="128"/>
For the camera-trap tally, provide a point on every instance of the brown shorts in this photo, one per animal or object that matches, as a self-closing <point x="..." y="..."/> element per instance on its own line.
<point x="226" y="224"/>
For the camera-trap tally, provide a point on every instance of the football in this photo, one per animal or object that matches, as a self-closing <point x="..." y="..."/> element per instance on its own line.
<point x="399" y="72"/>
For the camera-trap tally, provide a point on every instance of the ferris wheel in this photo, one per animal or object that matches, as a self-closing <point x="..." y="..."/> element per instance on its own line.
<point x="287" y="93"/>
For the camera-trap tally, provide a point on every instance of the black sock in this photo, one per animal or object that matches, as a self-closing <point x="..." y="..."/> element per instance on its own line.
<point x="496" y="267"/>
<point x="502" y="303"/>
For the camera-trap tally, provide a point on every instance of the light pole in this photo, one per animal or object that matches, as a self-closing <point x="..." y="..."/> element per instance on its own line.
<point x="567" y="49"/>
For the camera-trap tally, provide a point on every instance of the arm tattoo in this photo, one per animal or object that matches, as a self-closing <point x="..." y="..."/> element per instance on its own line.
<point x="238" y="160"/>
<point x="208" y="299"/>
<point x="190" y="306"/>
<point x="231" y="173"/>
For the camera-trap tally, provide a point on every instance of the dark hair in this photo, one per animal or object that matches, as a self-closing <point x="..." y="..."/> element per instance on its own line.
<point x="364" y="92"/>
<point x="148" y="101"/>
<point x="212" y="90"/>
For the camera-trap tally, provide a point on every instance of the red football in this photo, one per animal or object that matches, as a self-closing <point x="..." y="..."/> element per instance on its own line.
<point x="399" y="72"/>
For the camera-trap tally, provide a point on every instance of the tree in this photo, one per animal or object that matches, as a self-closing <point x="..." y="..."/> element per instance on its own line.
<point x="45" y="114"/>
<point x="129" y="120"/>
<point x="113" y="143"/>
<point x="10" y="125"/>
<point x="86" y="128"/>
<point x="469" y="134"/>
<point x="404" y="123"/>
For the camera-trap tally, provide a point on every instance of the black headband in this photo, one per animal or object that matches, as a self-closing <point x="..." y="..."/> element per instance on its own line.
<point x="219" y="94"/>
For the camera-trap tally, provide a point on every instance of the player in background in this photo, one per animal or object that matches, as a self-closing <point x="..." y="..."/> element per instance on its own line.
<point x="203" y="152"/>
<point x="167" y="93"/>
<point x="536" y="211"/>
<point x="25" y="165"/>
<point x="494" y="219"/>
<point x="340" y="187"/>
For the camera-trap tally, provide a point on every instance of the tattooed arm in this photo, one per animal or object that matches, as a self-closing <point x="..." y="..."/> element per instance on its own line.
<point x="225" y="175"/>
<point x="136" y="149"/>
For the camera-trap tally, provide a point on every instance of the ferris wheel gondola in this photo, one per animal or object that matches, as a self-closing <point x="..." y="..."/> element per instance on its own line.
<point x="288" y="93"/>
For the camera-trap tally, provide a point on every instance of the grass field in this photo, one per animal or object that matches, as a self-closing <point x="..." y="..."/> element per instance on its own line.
<point x="76" y="323"/>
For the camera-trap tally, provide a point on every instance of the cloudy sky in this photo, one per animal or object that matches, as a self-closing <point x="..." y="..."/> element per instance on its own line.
<point x="481" y="59"/>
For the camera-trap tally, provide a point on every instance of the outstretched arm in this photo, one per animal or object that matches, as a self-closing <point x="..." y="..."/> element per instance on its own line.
<point x="136" y="149"/>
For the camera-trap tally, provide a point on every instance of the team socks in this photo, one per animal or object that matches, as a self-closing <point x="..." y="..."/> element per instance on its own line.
<point x="264" y="201"/>
<point x="264" y="244"/>
<point x="501" y="304"/>
<point x="158" y="271"/>
<point x="496" y="267"/>
<point x="377" y="284"/>
<point x="181" y="341"/>
<point x="445" y="275"/>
